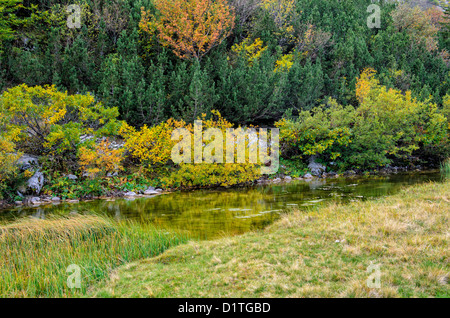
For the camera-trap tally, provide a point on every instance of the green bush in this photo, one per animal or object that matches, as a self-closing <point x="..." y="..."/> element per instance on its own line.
<point x="386" y="127"/>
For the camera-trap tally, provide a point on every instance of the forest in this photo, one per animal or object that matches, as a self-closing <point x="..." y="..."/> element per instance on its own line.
<point x="98" y="99"/>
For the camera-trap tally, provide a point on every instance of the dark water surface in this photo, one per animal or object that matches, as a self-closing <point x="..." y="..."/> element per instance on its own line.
<point x="209" y="214"/>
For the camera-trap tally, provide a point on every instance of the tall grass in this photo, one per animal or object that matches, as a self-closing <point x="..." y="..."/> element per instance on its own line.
<point x="445" y="168"/>
<point x="35" y="254"/>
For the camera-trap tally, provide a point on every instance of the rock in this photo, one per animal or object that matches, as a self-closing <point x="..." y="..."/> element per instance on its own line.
<point x="35" y="200"/>
<point x="150" y="192"/>
<point x="18" y="202"/>
<point x="22" y="189"/>
<point x="159" y="190"/>
<point x="84" y="138"/>
<point x="316" y="168"/>
<point x="27" y="161"/>
<point x="36" y="182"/>
<point x="88" y="175"/>
<point x="350" y="173"/>
<point x="71" y="177"/>
<point x="287" y="178"/>
<point x="115" y="174"/>
<point x="151" y="188"/>
<point x="56" y="199"/>
<point x="277" y="180"/>
<point x="130" y="194"/>
<point x="308" y="176"/>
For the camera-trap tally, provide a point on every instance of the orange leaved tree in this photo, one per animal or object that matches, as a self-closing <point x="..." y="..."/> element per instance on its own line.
<point x="190" y="27"/>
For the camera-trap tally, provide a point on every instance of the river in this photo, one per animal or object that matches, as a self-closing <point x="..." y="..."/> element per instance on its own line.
<point x="208" y="214"/>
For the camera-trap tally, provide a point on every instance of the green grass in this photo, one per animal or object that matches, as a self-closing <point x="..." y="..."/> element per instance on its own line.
<point x="321" y="252"/>
<point x="445" y="168"/>
<point x="34" y="254"/>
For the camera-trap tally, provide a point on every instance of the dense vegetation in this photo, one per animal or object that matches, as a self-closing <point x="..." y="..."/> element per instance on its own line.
<point x="359" y="97"/>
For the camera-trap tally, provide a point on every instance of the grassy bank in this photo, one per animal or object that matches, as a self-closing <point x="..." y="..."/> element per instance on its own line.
<point x="322" y="252"/>
<point x="35" y="254"/>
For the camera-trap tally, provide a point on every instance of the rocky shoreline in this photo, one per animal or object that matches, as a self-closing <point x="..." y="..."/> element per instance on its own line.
<point x="38" y="200"/>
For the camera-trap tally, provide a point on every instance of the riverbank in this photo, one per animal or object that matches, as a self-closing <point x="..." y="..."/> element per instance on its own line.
<point x="329" y="251"/>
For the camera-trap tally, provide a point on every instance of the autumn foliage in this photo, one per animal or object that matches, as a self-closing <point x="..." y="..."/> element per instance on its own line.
<point x="100" y="159"/>
<point x="192" y="27"/>
<point x="422" y="26"/>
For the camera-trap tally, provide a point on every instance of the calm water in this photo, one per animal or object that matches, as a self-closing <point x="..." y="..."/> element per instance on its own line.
<point x="212" y="213"/>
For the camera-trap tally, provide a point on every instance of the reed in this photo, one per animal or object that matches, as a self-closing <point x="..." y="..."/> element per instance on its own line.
<point x="35" y="254"/>
<point x="445" y="168"/>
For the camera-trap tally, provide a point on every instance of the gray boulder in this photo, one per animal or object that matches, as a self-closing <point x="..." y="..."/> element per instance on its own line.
<point x="308" y="176"/>
<point x="316" y="168"/>
<point x="36" y="182"/>
<point x="35" y="200"/>
<point x="27" y="161"/>
<point x="130" y="194"/>
<point x="150" y="192"/>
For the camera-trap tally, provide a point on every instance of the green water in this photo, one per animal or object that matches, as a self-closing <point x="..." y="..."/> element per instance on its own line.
<point x="209" y="214"/>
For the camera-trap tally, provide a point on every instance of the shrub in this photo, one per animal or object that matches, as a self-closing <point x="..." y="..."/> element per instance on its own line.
<point x="390" y="125"/>
<point x="152" y="146"/>
<point x="46" y="121"/>
<point x="386" y="126"/>
<point x="321" y="131"/>
<point x="8" y="157"/>
<point x="100" y="159"/>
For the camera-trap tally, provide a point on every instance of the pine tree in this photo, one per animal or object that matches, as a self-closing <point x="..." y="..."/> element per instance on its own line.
<point x="445" y="26"/>
<point x="8" y="18"/>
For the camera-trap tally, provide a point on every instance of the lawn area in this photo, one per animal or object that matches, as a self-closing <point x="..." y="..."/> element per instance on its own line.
<point x="321" y="252"/>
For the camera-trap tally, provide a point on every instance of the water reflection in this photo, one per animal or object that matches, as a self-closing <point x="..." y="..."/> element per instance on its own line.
<point x="212" y="213"/>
